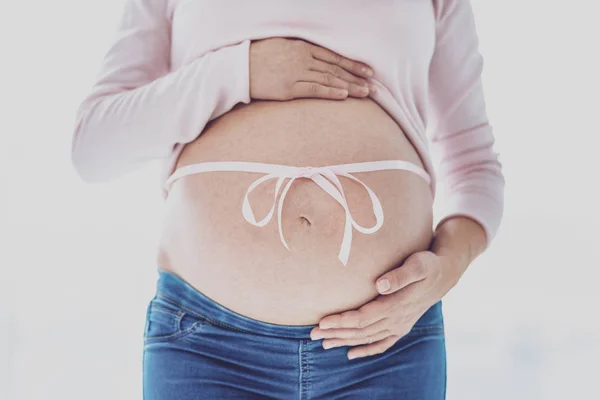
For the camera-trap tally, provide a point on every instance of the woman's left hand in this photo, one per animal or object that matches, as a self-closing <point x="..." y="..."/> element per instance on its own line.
<point x="420" y="282"/>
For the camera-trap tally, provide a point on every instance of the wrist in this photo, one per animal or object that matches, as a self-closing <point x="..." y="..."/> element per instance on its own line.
<point x="459" y="240"/>
<point x="459" y="237"/>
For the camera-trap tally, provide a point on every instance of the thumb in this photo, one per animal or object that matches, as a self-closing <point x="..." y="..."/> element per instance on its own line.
<point x="410" y="271"/>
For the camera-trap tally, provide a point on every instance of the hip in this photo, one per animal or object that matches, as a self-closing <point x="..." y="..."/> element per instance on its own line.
<point x="196" y="348"/>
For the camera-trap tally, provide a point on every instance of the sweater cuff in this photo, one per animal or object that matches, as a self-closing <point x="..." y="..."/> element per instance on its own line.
<point x="482" y="208"/>
<point x="237" y="72"/>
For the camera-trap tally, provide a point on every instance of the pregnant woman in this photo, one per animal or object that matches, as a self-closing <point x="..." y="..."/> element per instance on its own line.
<point x="299" y="258"/>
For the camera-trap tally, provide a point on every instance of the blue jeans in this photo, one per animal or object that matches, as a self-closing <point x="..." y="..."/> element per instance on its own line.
<point x="194" y="348"/>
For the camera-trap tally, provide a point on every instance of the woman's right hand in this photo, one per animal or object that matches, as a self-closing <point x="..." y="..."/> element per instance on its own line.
<point x="285" y="69"/>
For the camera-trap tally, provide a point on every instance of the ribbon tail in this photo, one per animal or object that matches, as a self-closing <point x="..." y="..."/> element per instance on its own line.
<point x="336" y="191"/>
<point x="283" y="194"/>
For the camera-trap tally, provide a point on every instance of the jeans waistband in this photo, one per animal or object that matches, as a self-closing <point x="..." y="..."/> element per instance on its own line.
<point x="174" y="287"/>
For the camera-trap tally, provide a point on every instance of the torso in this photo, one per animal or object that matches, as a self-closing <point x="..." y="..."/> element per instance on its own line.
<point x="207" y="241"/>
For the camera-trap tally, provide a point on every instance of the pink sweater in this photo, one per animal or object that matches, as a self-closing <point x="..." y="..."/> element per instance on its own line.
<point x="174" y="65"/>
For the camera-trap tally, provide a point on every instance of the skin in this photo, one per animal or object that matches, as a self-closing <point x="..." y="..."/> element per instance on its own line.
<point x="208" y="242"/>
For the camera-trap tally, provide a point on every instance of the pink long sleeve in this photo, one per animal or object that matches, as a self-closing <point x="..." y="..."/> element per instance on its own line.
<point x="176" y="65"/>
<point x="460" y="132"/>
<point x="139" y="109"/>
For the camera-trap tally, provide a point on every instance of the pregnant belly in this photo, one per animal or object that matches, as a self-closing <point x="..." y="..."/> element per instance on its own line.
<point x="207" y="241"/>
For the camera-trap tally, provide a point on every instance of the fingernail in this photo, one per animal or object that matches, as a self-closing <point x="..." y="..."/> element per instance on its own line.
<point x="327" y="345"/>
<point x="344" y="92"/>
<point x="372" y="88"/>
<point x="325" y="325"/>
<point x="351" y="357"/>
<point x="317" y="336"/>
<point x="367" y="71"/>
<point x="364" y="89"/>
<point x="383" y="285"/>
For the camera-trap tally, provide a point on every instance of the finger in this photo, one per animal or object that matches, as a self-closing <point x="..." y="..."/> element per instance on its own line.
<point x="331" y="343"/>
<point x="336" y="70"/>
<point x="358" y="91"/>
<point x="414" y="269"/>
<point x="313" y="89"/>
<point x="350" y="333"/>
<point x="374" y="348"/>
<point x="366" y="315"/>
<point x="327" y="79"/>
<point x="357" y="68"/>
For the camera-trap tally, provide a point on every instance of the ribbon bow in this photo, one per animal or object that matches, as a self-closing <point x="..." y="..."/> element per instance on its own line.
<point x="322" y="176"/>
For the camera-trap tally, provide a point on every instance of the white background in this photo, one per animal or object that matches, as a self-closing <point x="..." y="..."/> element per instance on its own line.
<point x="77" y="260"/>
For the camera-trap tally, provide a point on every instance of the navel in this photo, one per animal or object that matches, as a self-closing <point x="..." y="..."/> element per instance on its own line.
<point x="305" y="221"/>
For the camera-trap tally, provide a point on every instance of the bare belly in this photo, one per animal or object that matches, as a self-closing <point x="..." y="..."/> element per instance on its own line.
<point x="206" y="240"/>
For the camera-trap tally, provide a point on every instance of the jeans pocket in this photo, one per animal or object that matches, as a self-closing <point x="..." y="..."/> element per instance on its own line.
<point x="167" y="321"/>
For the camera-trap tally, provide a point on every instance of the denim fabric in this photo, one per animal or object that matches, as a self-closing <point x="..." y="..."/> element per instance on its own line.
<point x="194" y="348"/>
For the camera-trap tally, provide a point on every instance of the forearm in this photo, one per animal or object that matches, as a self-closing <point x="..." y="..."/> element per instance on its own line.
<point x="461" y="240"/>
<point x="118" y="129"/>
